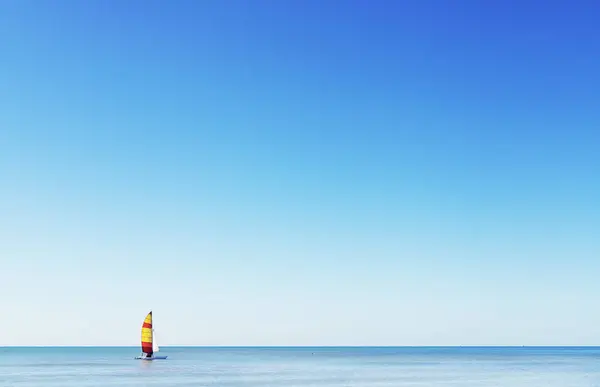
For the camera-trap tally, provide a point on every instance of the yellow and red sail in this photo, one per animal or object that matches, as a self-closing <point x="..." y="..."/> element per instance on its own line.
<point x="147" y="335"/>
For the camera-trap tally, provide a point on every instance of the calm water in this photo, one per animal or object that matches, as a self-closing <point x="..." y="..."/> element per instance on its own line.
<point x="482" y="367"/>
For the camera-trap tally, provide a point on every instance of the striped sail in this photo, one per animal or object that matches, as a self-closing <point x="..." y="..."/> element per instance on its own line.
<point x="147" y="335"/>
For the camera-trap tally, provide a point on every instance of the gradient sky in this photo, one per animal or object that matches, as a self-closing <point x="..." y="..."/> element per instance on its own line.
<point x="274" y="172"/>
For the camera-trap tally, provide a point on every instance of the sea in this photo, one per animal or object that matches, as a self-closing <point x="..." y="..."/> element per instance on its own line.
<point x="302" y="366"/>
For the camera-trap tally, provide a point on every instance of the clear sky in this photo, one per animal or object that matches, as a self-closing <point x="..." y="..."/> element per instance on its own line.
<point x="324" y="172"/>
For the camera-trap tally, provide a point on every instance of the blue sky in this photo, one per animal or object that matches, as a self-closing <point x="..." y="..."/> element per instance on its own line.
<point x="300" y="172"/>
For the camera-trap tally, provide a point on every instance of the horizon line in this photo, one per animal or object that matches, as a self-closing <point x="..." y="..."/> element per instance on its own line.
<point x="306" y="346"/>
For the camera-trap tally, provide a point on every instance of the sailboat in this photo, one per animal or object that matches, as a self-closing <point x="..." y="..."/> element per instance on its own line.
<point x="149" y="344"/>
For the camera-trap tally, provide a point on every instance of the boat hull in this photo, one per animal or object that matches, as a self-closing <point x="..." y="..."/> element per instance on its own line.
<point x="151" y="358"/>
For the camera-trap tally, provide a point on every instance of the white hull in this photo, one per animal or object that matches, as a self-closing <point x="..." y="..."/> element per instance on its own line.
<point x="151" y="358"/>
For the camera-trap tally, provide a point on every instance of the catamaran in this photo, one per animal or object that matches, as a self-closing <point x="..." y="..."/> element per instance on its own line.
<point x="149" y="344"/>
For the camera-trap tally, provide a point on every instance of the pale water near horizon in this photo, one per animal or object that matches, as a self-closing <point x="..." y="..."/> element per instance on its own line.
<point x="302" y="366"/>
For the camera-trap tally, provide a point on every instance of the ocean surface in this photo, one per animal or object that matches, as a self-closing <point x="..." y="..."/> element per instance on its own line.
<point x="285" y="366"/>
